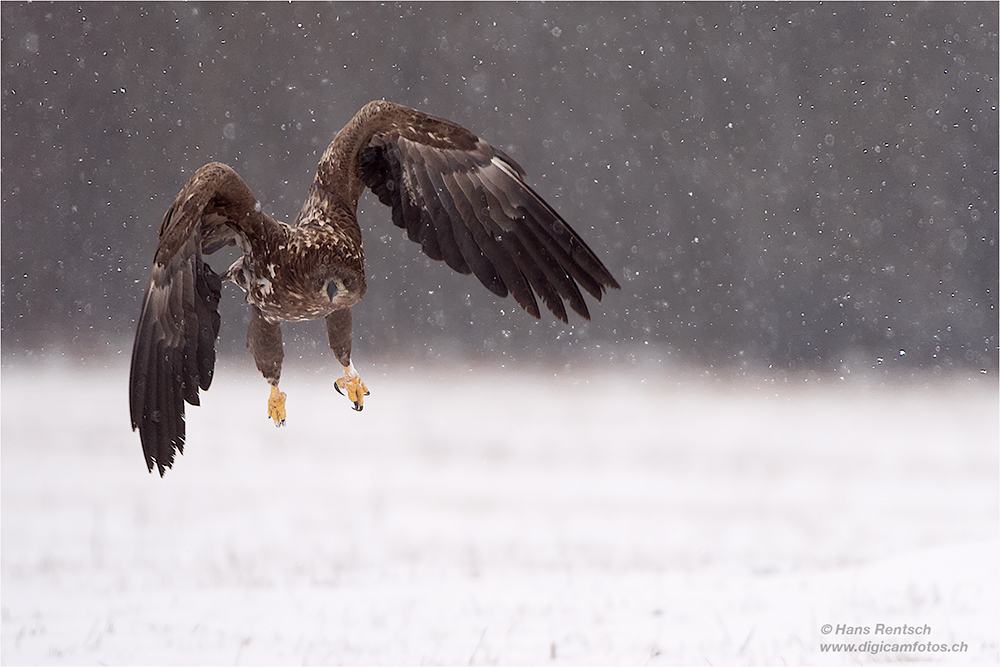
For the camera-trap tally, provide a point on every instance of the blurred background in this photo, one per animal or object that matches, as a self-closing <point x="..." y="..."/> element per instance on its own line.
<point x="788" y="187"/>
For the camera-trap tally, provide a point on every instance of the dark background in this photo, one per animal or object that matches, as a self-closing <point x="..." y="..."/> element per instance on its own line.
<point x="798" y="186"/>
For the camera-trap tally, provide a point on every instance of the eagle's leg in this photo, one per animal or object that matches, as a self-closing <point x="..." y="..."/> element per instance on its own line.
<point x="338" y="328"/>
<point x="264" y="341"/>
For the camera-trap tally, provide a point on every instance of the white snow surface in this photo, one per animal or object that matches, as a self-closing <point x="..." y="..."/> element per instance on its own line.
<point x="492" y="516"/>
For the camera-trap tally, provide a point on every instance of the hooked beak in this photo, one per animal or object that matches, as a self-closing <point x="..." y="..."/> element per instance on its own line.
<point x="333" y="288"/>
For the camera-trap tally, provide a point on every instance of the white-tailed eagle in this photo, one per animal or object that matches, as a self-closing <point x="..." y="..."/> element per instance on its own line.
<point x="464" y="202"/>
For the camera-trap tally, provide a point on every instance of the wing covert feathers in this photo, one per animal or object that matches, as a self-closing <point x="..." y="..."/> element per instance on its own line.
<point x="466" y="203"/>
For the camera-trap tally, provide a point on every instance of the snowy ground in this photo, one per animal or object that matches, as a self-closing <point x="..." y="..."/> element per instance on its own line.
<point x="489" y="517"/>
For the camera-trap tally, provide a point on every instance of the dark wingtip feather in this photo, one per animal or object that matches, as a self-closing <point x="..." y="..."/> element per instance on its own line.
<point x="173" y="355"/>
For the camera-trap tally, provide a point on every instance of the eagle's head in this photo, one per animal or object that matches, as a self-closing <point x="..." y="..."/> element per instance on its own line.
<point x="340" y="284"/>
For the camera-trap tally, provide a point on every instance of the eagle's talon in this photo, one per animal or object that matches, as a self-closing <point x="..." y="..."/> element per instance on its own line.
<point x="351" y="386"/>
<point x="276" y="406"/>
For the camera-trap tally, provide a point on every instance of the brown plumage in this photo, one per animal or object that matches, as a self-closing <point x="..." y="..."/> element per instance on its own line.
<point x="464" y="201"/>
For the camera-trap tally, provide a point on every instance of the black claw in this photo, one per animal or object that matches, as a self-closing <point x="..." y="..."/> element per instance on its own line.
<point x="358" y="407"/>
<point x="337" y="387"/>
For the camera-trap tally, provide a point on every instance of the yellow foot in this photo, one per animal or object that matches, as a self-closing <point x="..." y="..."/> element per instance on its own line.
<point x="355" y="388"/>
<point x="276" y="406"/>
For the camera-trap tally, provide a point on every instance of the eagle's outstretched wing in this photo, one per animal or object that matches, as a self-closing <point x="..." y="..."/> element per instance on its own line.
<point x="466" y="202"/>
<point x="174" y="351"/>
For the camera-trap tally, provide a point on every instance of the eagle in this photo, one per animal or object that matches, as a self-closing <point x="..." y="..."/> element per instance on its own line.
<point x="464" y="201"/>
